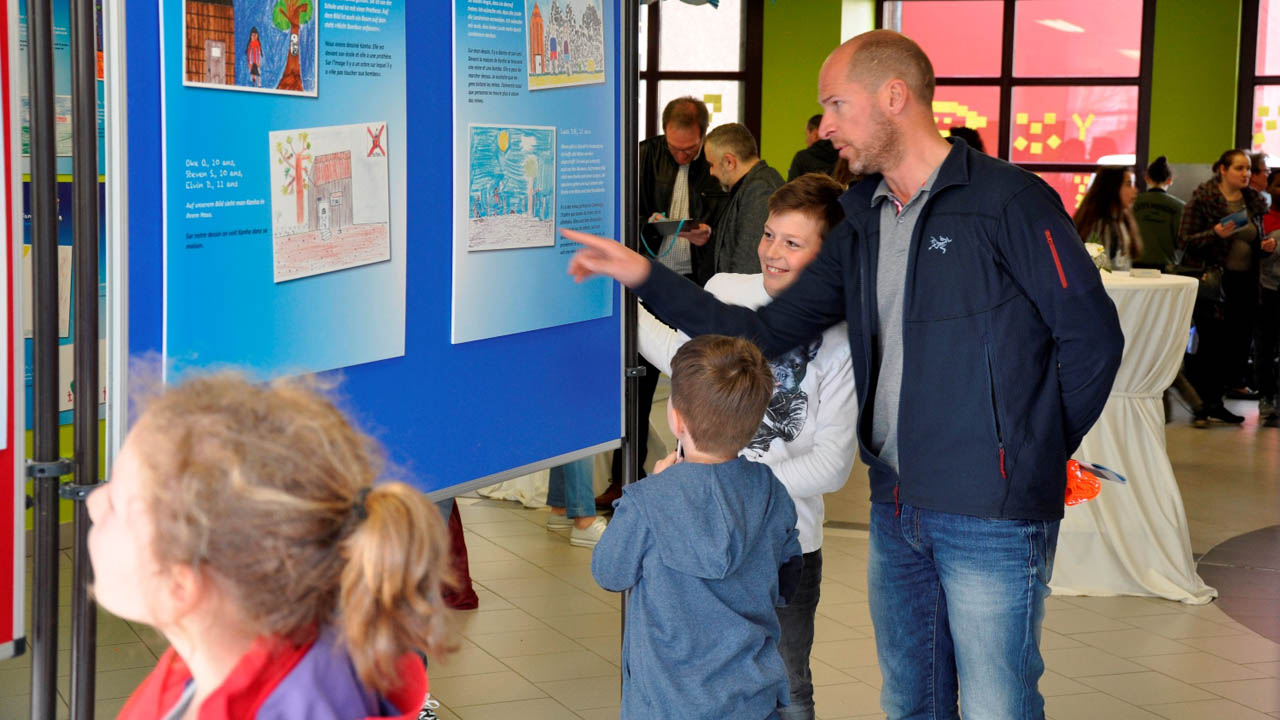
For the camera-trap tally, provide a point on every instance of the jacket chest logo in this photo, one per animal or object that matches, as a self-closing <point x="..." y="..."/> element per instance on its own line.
<point x="939" y="243"/>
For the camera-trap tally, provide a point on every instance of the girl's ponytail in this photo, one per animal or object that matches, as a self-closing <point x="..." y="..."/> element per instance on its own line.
<point x="397" y="570"/>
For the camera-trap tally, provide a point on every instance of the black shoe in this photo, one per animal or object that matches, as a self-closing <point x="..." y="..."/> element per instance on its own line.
<point x="604" y="501"/>
<point x="1223" y="414"/>
<point x="1271" y="421"/>
<point x="1242" y="393"/>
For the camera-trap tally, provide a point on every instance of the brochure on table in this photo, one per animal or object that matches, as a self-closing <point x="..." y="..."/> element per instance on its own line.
<point x="285" y="163"/>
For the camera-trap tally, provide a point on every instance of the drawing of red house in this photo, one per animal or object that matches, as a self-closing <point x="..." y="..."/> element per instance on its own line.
<point x="331" y="193"/>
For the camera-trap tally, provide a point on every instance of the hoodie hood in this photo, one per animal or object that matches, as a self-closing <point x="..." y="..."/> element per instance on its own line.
<point x="732" y="502"/>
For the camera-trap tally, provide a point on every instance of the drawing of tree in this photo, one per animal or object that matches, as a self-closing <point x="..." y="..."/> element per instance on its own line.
<point x="297" y="169"/>
<point x="570" y="24"/>
<point x="592" y="33"/>
<point x="289" y="15"/>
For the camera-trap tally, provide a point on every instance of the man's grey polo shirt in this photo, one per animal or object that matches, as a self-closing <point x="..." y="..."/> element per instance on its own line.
<point x="897" y="225"/>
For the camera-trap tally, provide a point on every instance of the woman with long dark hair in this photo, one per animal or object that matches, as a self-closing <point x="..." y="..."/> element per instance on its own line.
<point x="1221" y="227"/>
<point x="1105" y="216"/>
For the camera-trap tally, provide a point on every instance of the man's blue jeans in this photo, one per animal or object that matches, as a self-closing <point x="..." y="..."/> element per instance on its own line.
<point x="570" y="488"/>
<point x="957" y="603"/>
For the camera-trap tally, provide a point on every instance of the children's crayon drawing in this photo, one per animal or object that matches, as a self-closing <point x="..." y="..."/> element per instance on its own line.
<point x="251" y="45"/>
<point x="566" y="43"/>
<point x="329" y="199"/>
<point x="512" y="187"/>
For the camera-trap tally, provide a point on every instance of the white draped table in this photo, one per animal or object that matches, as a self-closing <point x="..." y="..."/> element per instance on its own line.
<point x="1133" y="539"/>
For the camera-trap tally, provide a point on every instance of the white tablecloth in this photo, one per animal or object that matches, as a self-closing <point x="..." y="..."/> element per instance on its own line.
<point x="1133" y="539"/>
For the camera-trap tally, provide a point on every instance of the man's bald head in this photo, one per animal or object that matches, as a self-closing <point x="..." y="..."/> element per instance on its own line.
<point x="876" y="57"/>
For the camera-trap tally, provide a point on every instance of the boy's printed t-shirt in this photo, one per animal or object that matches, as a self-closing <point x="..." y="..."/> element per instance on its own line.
<point x="700" y="546"/>
<point x="808" y="436"/>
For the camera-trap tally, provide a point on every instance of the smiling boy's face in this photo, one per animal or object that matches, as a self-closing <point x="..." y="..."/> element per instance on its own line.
<point x="791" y="241"/>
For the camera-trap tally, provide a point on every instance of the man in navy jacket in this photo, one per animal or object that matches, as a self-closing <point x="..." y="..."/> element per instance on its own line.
<point x="984" y="348"/>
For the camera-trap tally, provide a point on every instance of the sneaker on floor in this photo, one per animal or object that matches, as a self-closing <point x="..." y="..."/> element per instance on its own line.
<point x="1201" y="420"/>
<point x="588" y="536"/>
<point x="1266" y="407"/>
<point x="1271" y="421"/>
<point x="559" y="522"/>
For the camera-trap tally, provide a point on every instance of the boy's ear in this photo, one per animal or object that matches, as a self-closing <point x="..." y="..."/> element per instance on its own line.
<point x="675" y="420"/>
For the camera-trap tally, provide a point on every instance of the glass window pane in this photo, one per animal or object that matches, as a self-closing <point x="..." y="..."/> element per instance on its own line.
<point x="1071" y="186"/>
<point x="721" y="96"/>
<point x="1065" y="38"/>
<point x="643" y="40"/>
<point x="701" y="37"/>
<point x="1268" y="38"/>
<point x="969" y="106"/>
<point x="1072" y="124"/>
<point x="1266" y="122"/>
<point x="642" y="111"/>
<point x="962" y="38"/>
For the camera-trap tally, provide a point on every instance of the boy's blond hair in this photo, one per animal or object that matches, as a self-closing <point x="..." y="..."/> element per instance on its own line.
<point x="720" y="385"/>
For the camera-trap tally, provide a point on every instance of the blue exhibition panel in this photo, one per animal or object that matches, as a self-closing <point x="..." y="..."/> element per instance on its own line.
<point x="504" y="396"/>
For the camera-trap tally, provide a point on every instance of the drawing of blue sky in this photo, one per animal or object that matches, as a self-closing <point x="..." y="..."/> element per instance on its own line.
<point x="503" y="171"/>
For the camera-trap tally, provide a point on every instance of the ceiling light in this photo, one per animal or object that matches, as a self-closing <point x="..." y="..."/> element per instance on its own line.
<point x="1060" y="24"/>
<point x="1122" y="160"/>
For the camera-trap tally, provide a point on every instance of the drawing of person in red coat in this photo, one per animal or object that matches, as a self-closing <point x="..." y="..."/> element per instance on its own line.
<point x="253" y="53"/>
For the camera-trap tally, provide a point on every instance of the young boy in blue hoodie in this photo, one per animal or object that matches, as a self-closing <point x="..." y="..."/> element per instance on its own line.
<point x="708" y="547"/>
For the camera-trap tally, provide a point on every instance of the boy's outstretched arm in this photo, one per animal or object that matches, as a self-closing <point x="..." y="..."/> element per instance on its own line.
<point x="619" y="555"/>
<point x="812" y="305"/>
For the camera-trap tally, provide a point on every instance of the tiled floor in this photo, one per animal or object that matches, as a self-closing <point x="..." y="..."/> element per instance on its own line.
<point x="545" y="641"/>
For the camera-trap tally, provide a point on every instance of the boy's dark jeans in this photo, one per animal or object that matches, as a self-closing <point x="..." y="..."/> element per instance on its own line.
<point x="796" y="641"/>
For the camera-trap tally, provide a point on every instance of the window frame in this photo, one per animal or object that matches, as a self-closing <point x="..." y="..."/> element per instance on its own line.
<point x="1250" y="80"/>
<point x="1007" y="81"/>
<point x="749" y="76"/>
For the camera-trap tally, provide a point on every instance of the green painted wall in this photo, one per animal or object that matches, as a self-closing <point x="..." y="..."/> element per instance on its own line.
<point x="1195" y="67"/>
<point x="798" y="35"/>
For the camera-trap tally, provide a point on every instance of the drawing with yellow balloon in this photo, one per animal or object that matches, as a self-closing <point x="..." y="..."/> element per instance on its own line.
<point x="512" y="187"/>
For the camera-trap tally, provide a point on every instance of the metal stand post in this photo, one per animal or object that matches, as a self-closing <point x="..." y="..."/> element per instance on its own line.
<point x="84" y="611"/>
<point x="631" y="238"/>
<point x="46" y="464"/>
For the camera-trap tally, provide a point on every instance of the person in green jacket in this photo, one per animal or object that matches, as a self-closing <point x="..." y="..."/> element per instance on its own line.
<point x="1158" y="215"/>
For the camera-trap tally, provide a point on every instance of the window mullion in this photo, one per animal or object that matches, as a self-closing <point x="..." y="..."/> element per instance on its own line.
<point x="1006" y="80"/>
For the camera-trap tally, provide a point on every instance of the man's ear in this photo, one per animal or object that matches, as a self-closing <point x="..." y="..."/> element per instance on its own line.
<point x="893" y="96"/>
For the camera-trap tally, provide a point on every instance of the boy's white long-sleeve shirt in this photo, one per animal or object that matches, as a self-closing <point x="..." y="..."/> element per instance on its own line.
<point x="808" y="437"/>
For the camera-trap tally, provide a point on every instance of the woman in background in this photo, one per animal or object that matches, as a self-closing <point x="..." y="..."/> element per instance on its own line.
<point x="1220" y="232"/>
<point x="1105" y="216"/>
